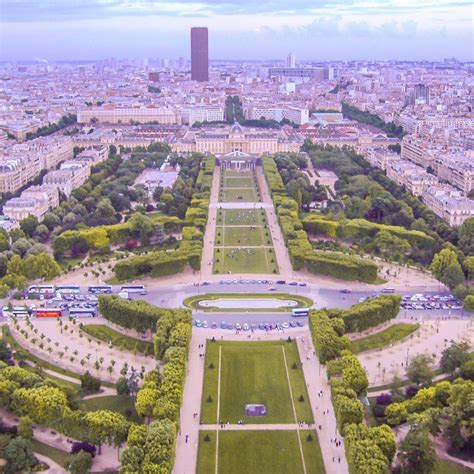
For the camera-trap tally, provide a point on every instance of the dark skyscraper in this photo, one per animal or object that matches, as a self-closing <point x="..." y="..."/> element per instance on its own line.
<point x="199" y="55"/>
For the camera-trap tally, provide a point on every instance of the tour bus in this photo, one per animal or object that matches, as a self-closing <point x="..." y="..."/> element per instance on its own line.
<point x="68" y="289"/>
<point x="388" y="290"/>
<point x="299" y="312"/>
<point x="20" y="312"/>
<point x="139" y="289"/>
<point x="100" y="289"/>
<point x="79" y="311"/>
<point x="41" y="291"/>
<point x="48" y="312"/>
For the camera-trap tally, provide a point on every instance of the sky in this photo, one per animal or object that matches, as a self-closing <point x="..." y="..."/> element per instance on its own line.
<point x="318" y="30"/>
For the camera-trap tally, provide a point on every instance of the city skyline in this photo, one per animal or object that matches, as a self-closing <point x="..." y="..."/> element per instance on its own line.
<point x="240" y="30"/>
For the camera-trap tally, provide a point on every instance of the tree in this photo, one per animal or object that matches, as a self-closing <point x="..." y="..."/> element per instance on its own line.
<point x="29" y="224"/>
<point x="106" y="426"/>
<point x="469" y="303"/>
<point x="466" y="237"/>
<point x="441" y="261"/>
<point x="5" y="351"/>
<point x="122" y="386"/>
<point x="20" y="247"/>
<point x="79" y="463"/>
<point x="142" y="226"/>
<point x="454" y="356"/>
<point x="468" y="265"/>
<point x="25" y="427"/>
<point x="419" y="371"/>
<point x="19" y="455"/>
<point x="417" y="453"/>
<point x="89" y="383"/>
<point x="453" y="275"/>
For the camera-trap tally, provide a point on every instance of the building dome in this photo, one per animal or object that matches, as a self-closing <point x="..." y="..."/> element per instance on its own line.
<point x="236" y="129"/>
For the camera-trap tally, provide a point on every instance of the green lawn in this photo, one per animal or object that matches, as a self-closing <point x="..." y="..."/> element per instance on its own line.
<point x="254" y="373"/>
<point x="108" y="335"/>
<point x="121" y="404"/>
<point x="446" y="467"/>
<point x="55" y="454"/>
<point x="239" y="195"/>
<point x="259" y="452"/>
<point x="383" y="338"/>
<point x="245" y="260"/>
<point x="241" y="217"/>
<point x="192" y="302"/>
<point x="248" y="236"/>
<point x="243" y="182"/>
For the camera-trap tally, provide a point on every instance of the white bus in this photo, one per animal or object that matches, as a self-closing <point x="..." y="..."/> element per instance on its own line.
<point x="138" y="289"/>
<point x="38" y="291"/>
<point x="20" y="312"/>
<point x="78" y="311"/>
<point x="296" y="313"/>
<point x="388" y="290"/>
<point x="100" y="289"/>
<point x="68" y="289"/>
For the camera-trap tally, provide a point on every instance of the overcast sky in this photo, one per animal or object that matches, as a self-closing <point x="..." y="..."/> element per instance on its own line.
<point x="238" y="29"/>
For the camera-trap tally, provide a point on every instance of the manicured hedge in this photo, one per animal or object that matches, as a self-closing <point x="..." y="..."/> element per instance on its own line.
<point x="371" y="312"/>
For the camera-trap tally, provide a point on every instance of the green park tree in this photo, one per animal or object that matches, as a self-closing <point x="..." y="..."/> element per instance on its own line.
<point x="19" y="455"/>
<point x="417" y="453"/>
<point x="79" y="463"/>
<point x="420" y="370"/>
<point x="25" y="427"/>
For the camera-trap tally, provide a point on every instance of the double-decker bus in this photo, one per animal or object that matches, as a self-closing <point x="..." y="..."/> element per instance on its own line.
<point x="296" y="313"/>
<point x="79" y="311"/>
<point x="68" y="289"/>
<point x="139" y="289"/>
<point x="48" y="312"/>
<point x="41" y="291"/>
<point x="100" y="289"/>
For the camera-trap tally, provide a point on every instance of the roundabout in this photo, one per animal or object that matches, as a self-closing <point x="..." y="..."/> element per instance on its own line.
<point x="245" y="302"/>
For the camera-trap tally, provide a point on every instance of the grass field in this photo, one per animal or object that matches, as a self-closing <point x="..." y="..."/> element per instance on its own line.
<point x="239" y="195"/>
<point x="244" y="260"/>
<point x="446" y="467"/>
<point x="247" y="236"/>
<point x="241" y="217"/>
<point x="108" y="335"/>
<point x="121" y="404"/>
<point x="192" y="302"/>
<point x="243" y="182"/>
<point x="55" y="454"/>
<point x="254" y="373"/>
<point x="259" y="452"/>
<point x="383" y="338"/>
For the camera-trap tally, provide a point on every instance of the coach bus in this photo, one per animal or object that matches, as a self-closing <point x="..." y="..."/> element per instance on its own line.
<point x="41" y="291"/>
<point x="48" y="312"/>
<point x="20" y="311"/>
<point x="79" y="311"/>
<point x="100" y="289"/>
<point x="296" y="313"/>
<point x="68" y="289"/>
<point x="388" y="290"/>
<point x="139" y="289"/>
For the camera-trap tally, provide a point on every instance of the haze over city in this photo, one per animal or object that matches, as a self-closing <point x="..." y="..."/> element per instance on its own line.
<point x="247" y="29"/>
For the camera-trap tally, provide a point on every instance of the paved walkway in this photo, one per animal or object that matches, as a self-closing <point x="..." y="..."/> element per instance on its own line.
<point x="187" y="452"/>
<point x="281" y="252"/>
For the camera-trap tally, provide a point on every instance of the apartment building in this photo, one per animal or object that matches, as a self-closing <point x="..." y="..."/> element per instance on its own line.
<point x="112" y="114"/>
<point x="93" y="155"/>
<point x="449" y="204"/>
<point x="413" y="177"/>
<point x="44" y="192"/>
<point x="20" y="208"/>
<point x="210" y="113"/>
<point x="61" y="179"/>
<point x="380" y="156"/>
<point x="457" y="170"/>
<point x="418" y="151"/>
<point x="298" y="115"/>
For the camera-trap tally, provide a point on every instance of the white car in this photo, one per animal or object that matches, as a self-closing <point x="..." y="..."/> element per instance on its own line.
<point x="124" y="295"/>
<point x="238" y="327"/>
<point x="246" y="327"/>
<point x="285" y="325"/>
<point x="205" y="324"/>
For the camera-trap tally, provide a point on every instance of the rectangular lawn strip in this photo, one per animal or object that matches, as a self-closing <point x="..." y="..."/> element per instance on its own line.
<point x="211" y="375"/>
<point x="259" y="452"/>
<point x="206" y="462"/>
<point x="118" y="403"/>
<point x="43" y="362"/>
<point x="254" y="373"/>
<point x="61" y="382"/>
<point x="298" y="384"/>
<point x="109" y="335"/>
<point x="57" y="455"/>
<point x="446" y="467"/>
<point x="241" y="217"/>
<point x="383" y="338"/>
<point x="239" y="195"/>
<point x="313" y="457"/>
<point x="244" y="260"/>
<point x="243" y="182"/>
<point x="243" y="236"/>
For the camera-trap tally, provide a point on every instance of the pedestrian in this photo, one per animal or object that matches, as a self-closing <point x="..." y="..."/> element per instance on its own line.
<point x="320" y="427"/>
<point x="333" y="458"/>
<point x="187" y="437"/>
<point x="339" y="460"/>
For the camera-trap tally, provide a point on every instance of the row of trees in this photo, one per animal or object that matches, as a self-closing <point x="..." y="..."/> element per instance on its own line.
<point x="151" y="448"/>
<point x="63" y="122"/>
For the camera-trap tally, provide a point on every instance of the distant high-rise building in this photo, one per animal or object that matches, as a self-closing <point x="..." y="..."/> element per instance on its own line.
<point x="291" y="60"/>
<point x="422" y="93"/>
<point x="199" y="54"/>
